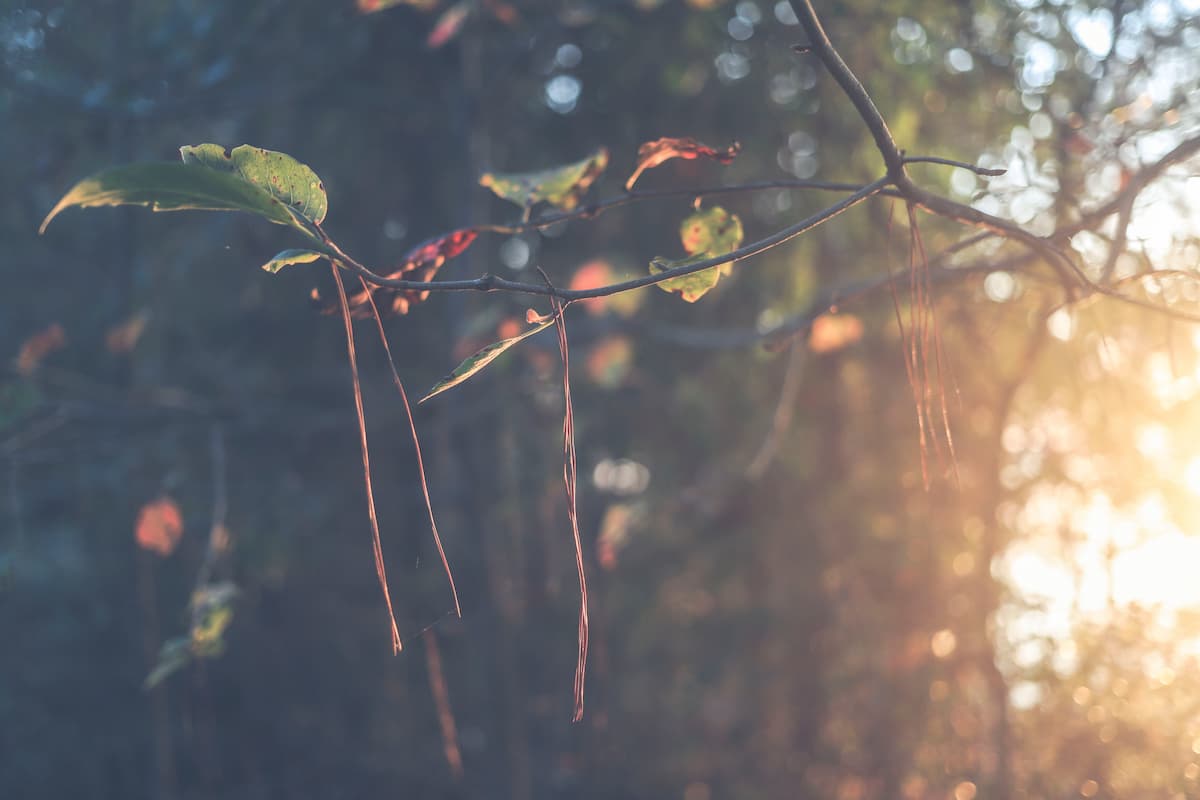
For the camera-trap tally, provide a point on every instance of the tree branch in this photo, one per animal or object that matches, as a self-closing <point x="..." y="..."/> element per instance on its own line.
<point x="493" y="283"/>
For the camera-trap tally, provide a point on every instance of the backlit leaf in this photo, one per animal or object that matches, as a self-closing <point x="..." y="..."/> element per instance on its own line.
<point x="705" y="234"/>
<point x="172" y="187"/>
<point x="283" y="177"/>
<point x="448" y="24"/>
<point x="481" y="359"/>
<point x="562" y="187"/>
<point x="159" y="526"/>
<point x="288" y="257"/>
<point x="420" y="264"/>
<point x="651" y="154"/>
<point x="212" y="611"/>
<point x="690" y="287"/>
<point x="712" y="231"/>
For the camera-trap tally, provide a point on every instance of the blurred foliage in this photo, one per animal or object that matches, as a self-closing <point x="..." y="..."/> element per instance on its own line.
<point x="821" y="626"/>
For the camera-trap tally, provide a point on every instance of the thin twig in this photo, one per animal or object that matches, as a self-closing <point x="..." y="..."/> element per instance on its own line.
<point x="376" y="543"/>
<point x="949" y="162"/>
<point x="492" y="283"/>
<point x="412" y="426"/>
<point x="570" y="480"/>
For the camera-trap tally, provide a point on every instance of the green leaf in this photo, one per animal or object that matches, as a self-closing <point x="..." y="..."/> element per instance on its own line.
<point x="562" y="187"/>
<point x="171" y="187"/>
<point x="712" y="231"/>
<point x="174" y="655"/>
<point x="706" y="234"/>
<point x="283" y="177"/>
<point x="288" y="257"/>
<point x="690" y="287"/>
<point x="475" y="363"/>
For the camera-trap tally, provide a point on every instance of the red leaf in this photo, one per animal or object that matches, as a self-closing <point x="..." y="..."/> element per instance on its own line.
<point x="448" y="25"/>
<point x="159" y="526"/>
<point x="651" y="154"/>
<point x="420" y="264"/>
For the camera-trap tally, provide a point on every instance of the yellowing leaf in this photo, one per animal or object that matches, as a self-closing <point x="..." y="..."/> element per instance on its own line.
<point x="705" y="234"/>
<point x="651" y="154"/>
<point x="690" y="287"/>
<point x="288" y="257"/>
<point x="283" y="177"/>
<point x="474" y="363"/>
<point x="562" y="187"/>
<point x="159" y="526"/>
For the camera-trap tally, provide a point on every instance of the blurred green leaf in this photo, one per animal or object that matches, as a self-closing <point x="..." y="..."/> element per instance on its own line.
<point x="174" y="655"/>
<point x="172" y="187"/>
<point x="288" y="257"/>
<point x="481" y="359"/>
<point x="212" y="612"/>
<point x="562" y="187"/>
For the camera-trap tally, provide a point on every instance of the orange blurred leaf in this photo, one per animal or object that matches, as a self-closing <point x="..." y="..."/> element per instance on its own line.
<point x="159" y="526"/>
<point x="124" y="337"/>
<point x="508" y="328"/>
<point x="832" y="332"/>
<point x="38" y="346"/>
<point x="610" y="361"/>
<point x="448" y="25"/>
<point x="592" y="275"/>
<point x="614" y="534"/>
<point x="651" y="154"/>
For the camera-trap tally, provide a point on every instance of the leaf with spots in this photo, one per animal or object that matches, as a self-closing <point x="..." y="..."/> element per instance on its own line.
<point x="172" y="187"/>
<point x="286" y="258"/>
<point x="283" y="177"/>
<point x="562" y="187"/>
<point x="690" y="287"/>
<point x="474" y="363"/>
<point x="706" y="234"/>
<point x="651" y="154"/>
